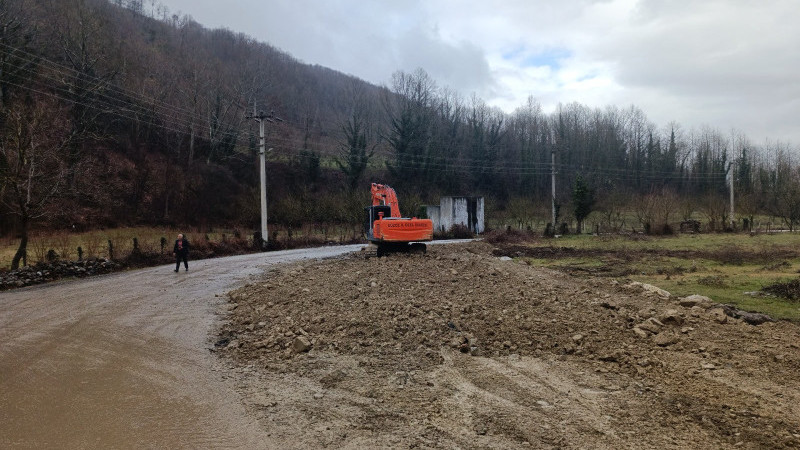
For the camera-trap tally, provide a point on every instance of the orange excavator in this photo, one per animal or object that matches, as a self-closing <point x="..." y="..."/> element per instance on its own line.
<point x="391" y="233"/>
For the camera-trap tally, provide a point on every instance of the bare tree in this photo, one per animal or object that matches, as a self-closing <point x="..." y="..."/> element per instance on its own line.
<point x="78" y="33"/>
<point x="644" y="209"/>
<point x="667" y="204"/>
<point x="715" y="209"/>
<point x="16" y="56"/>
<point x="31" y="169"/>
<point x="611" y="208"/>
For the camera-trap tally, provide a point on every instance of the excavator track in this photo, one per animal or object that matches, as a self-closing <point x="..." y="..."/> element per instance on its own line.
<point x="417" y="248"/>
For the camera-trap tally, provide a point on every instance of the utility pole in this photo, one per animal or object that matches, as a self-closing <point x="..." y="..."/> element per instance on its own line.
<point x="262" y="118"/>
<point x="553" y="182"/>
<point x="730" y="188"/>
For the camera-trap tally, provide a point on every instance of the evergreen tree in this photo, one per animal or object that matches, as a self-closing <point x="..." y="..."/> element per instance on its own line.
<point x="354" y="151"/>
<point x="582" y="201"/>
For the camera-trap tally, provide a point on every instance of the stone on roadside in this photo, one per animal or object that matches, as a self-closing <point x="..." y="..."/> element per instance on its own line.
<point x="718" y="315"/>
<point x="639" y="332"/>
<point x="650" y="288"/>
<point x="671" y="316"/>
<point x="652" y="325"/>
<point x="755" y="318"/>
<point x="696" y="300"/>
<point x="665" y="338"/>
<point x="610" y="357"/>
<point x="301" y="344"/>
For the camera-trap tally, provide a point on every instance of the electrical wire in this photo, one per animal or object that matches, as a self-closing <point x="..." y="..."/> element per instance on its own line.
<point x="126" y="109"/>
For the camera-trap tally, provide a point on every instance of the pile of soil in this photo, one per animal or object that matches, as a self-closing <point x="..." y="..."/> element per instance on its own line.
<point x="461" y="348"/>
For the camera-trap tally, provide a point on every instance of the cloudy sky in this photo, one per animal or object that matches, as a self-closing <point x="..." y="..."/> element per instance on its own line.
<point x="728" y="64"/>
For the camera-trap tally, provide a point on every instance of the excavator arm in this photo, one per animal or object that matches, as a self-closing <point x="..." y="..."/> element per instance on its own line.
<point x="383" y="195"/>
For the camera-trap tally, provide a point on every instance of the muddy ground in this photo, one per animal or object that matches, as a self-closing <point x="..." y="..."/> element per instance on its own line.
<point x="461" y="348"/>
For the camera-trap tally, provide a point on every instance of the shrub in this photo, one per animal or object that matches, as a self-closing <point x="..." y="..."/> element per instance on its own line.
<point x="509" y="235"/>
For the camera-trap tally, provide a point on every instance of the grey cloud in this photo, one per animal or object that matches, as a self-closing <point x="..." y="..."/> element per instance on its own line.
<point x="728" y="63"/>
<point x="462" y="66"/>
<point x="719" y="62"/>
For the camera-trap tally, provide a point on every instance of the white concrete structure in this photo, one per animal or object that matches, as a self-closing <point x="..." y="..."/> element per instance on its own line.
<point x="467" y="211"/>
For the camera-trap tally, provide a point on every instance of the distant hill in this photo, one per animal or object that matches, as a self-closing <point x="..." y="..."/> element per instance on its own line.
<point x="111" y="117"/>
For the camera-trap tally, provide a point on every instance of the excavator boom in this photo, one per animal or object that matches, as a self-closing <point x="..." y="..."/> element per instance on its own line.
<point x="385" y="195"/>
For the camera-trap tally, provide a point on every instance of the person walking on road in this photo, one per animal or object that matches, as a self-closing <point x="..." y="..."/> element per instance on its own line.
<point x="181" y="252"/>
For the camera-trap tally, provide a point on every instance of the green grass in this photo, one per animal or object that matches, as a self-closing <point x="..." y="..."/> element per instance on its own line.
<point x="728" y="268"/>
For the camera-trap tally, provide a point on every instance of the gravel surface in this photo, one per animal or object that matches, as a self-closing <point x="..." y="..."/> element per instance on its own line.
<point x="460" y="348"/>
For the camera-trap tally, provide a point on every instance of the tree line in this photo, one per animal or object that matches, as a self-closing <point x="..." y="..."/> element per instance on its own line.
<point x="119" y="113"/>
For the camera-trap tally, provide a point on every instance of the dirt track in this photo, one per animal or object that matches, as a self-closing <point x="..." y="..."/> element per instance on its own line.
<point x="122" y="361"/>
<point x="461" y="349"/>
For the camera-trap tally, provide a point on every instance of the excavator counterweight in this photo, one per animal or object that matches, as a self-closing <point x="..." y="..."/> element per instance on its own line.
<point x="385" y="228"/>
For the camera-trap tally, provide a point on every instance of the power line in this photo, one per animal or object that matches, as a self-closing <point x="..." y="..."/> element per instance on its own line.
<point x="457" y="162"/>
<point x="117" y="107"/>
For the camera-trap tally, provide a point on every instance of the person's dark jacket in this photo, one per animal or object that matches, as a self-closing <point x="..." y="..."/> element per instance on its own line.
<point x="182" y="251"/>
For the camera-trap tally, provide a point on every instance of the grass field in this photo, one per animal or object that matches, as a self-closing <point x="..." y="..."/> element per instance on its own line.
<point x="729" y="268"/>
<point x="95" y="243"/>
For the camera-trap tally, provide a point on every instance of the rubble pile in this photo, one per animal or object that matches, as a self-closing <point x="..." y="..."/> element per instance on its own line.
<point x="466" y="345"/>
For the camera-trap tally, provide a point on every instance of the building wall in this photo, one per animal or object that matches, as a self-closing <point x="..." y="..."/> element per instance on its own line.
<point x="434" y="213"/>
<point x="467" y="211"/>
<point x="447" y="209"/>
<point x="480" y="225"/>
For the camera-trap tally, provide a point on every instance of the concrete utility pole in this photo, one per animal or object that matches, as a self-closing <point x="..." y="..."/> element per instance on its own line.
<point x="261" y="118"/>
<point x="553" y="182"/>
<point x="730" y="174"/>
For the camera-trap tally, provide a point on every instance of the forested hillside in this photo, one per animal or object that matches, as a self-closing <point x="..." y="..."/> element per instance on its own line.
<point x="113" y="113"/>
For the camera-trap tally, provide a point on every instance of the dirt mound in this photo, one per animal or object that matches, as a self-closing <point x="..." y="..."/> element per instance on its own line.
<point x="460" y="348"/>
<point x="789" y="290"/>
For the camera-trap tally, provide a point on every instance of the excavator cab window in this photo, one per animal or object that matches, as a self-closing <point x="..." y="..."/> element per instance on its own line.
<point x="373" y="214"/>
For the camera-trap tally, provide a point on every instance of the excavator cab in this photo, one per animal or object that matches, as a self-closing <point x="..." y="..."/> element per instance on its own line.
<point x="374" y="213"/>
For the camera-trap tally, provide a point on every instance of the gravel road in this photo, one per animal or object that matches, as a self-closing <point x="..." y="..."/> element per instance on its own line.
<point x="122" y="361"/>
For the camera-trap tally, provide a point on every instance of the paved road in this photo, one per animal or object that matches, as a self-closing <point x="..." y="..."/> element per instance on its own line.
<point x="122" y="361"/>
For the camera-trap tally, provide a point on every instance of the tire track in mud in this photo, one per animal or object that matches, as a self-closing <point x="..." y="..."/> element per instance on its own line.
<point x="515" y="393"/>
